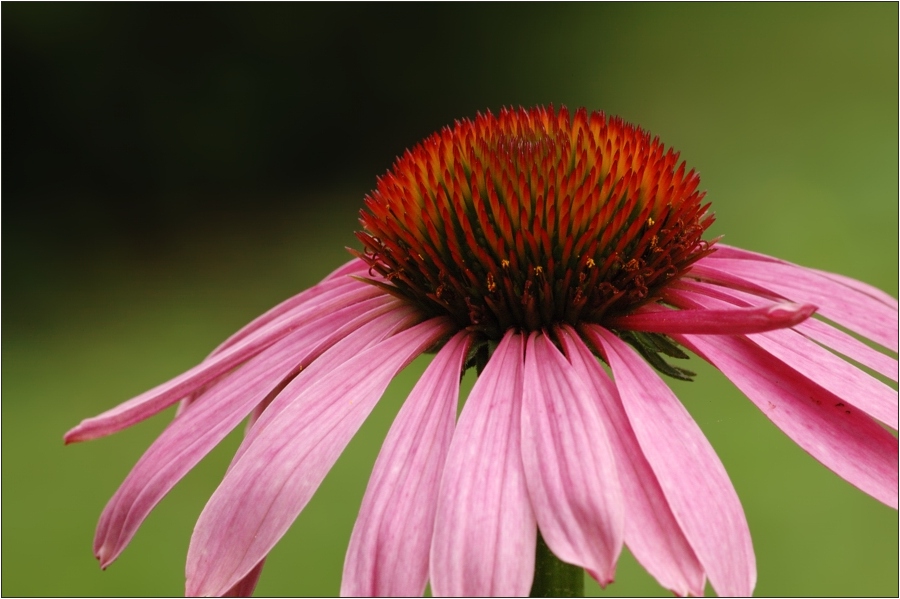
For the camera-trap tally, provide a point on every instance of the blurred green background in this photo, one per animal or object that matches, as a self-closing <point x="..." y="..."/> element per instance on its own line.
<point x="172" y="171"/>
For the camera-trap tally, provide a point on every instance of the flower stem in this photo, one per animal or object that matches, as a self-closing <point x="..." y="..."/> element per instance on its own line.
<point x="553" y="577"/>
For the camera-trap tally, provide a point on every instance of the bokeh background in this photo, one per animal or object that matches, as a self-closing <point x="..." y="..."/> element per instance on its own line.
<point x="171" y="171"/>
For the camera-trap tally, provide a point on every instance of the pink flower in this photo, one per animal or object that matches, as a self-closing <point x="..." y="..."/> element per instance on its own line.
<point x="533" y="247"/>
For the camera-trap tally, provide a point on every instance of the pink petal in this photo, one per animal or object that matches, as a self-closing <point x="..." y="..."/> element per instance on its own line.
<point x="192" y="435"/>
<point x="852" y="348"/>
<point x="485" y="531"/>
<point x="570" y="467"/>
<point x="716" y="322"/>
<point x="875" y="292"/>
<point x="388" y="552"/>
<point x="247" y="584"/>
<point x="845" y="305"/>
<point x="693" y="479"/>
<point x="817" y="330"/>
<point x="339" y="278"/>
<point x="651" y="531"/>
<point x="816" y="363"/>
<point x="727" y="251"/>
<point x="844" y="439"/>
<point x="730" y="251"/>
<point x="336" y="282"/>
<point x="287" y="454"/>
<point x="159" y="398"/>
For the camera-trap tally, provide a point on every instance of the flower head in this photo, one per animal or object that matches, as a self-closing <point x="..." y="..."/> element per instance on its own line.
<point x="536" y="247"/>
<point x="530" y="219"/>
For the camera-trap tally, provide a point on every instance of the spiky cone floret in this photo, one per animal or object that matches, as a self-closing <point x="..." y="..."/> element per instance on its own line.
<point x="532" y="219"/>
<point x="563" y="257"/>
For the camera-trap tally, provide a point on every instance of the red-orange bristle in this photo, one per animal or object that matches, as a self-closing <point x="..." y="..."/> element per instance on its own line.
<point x="534" y="217"/>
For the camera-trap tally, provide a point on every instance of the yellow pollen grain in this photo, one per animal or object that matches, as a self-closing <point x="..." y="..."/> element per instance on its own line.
<point x="590" y="263"/>
<point x="504" y="264"/>
<point x="650" y="222"/>
<point x="491" y="285"/>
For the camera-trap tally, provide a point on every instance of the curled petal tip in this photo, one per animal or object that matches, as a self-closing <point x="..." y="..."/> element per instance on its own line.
<point x="790" y="313"/>
<point x="694" y="317"/>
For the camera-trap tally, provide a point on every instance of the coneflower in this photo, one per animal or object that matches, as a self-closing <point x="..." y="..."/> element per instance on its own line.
<point x="565" y="258"/>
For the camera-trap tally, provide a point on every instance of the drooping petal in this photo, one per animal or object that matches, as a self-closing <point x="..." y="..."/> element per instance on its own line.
<point x="845" y="305"/>
<point x="485" y="531"/>
<point x="727" y="251"/>
<point x="246" y="585"/>
<point x="854" y="349"/>
<point x="693" y="479"/>
<point x="875" y="292"/>
<point x="330" y="285"/>
<point x="161" y="397"/>
<point x="286" y="455"/>
<point x="388" y="551"/>
<point x="844" y="439"/>
<point x="651" y="531"/>
<point x="569" y="464"/>
<point x="337" y="279"/>
<point x="333" y="283"/>
<point x="726" y="321"/>
<point x="404" y="316"/>
<point x="811" y="360"/>
<point x="196" y="432"/>
<point x="816" y="330"/>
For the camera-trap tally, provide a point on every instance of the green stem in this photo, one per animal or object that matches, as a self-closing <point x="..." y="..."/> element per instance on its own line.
<point x="553" y="577"/>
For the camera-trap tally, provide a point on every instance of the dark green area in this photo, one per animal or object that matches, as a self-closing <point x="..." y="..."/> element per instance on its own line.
<point x="554" y="577"/>
<point x="170" y="172"/>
